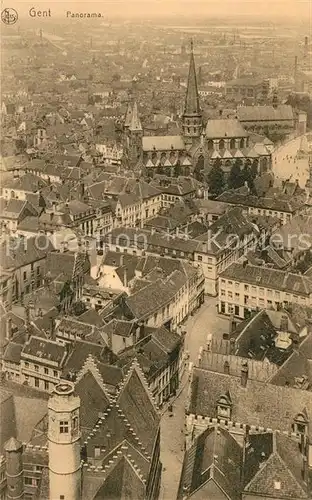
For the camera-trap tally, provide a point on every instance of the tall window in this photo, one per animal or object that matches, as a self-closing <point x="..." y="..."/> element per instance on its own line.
<point x="63" y="427"/>
<point x="75" y="423"/>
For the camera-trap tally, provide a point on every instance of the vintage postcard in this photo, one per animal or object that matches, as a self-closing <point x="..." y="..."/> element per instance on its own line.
<point x="156" y="250"/>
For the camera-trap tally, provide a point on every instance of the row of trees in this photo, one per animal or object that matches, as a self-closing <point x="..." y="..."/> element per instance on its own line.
<point x="238" y="176"/>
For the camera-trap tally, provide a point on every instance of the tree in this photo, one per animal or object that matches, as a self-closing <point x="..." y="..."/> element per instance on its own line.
<point x="199" y="168"/>
<point x="254" y="169"/>
<point x="177" y="170"/>
<point x="236" y="178"/>
<point x="248" y="177"/>
<point x="216" y="181"/>
<point x="78" y="308"/>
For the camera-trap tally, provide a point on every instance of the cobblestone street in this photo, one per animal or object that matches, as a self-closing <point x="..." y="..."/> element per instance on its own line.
<point x="197" y="328"/>
<point x="284" y="168"/>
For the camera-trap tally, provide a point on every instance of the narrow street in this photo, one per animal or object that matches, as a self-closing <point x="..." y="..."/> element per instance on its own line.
<point x="197" y="328"/>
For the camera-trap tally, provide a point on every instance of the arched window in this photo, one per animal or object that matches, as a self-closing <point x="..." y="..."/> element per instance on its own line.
<point x="301" y="423"/>
<point x="232" y="144"/>
<point x="242" y="143"/>
<point x="210" y="145"/>
<point x="224" y="406"/>
<point x="221" y="144"/>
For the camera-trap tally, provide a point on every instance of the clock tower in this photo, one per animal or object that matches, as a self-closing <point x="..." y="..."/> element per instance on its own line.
<point x="64" y="443"/>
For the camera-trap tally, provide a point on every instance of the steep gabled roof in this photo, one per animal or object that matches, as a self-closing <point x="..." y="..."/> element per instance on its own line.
<point x="136" y="402"/>
<point x="277" y="471"/>
<point x="94" y="398"/>
<point x="123" y="482"/>
<point x="213" y="456"/>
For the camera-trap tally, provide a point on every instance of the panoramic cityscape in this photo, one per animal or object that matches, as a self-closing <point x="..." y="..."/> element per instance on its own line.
<point x="156" y="250"/>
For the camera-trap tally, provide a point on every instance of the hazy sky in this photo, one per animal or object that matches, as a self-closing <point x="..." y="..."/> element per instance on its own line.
<point x="293" y="9"/>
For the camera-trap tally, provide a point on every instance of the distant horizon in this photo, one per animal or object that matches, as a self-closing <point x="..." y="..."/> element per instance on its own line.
<point x="274" y="10"/>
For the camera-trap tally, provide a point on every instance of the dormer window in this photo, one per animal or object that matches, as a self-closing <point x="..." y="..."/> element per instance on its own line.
<point x="224" y="407"/>
<point x="301" y="423"/>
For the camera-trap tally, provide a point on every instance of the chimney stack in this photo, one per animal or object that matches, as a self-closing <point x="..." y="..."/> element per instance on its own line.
<point x="226" y="367"/>
<point x="305" y="471"/>
<point x="232" y="346"/>
<point x="232" y="324"/>
<point x="8" y="332"/>
<point x="125" y="277"/>
<point x="244" y="374"/>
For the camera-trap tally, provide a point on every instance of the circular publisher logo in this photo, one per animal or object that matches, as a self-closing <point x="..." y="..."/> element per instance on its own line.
<point x="9" y="16"/>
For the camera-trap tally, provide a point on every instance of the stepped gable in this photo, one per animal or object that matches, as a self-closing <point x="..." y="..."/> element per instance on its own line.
<point x="137" y="403"/>
<point x="114" y="432"/>
<point x="93" y="396"/>
<point x="122" y="481"/>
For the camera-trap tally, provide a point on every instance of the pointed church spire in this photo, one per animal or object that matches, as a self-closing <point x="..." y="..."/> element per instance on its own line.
<point x="192" y="100"/>
<point x="135" y="120"/>
<point x="128" y="115"/>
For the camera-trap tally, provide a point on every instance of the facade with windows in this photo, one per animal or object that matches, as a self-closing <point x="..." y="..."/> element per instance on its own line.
<point x="38" y="363"/>
<point x="246" y="288"/>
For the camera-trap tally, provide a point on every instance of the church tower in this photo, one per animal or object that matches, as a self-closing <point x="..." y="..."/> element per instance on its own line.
<point x="64" y="443"/>
<point x="135" y="135"/>
<point x="192" y="116"/>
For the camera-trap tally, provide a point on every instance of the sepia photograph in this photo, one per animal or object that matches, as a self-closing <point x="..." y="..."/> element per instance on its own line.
<point x="156" y="250"/>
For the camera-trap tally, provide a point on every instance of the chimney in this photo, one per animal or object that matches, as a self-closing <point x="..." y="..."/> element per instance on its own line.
<point x="8" y="333"/>
<point x="284" y="323"/>
<point x="125" y="278"/>
<point x="232" y="324"/>
<point x="244" y="374"/>
<point x="226" y="367"/>
<point x="305" y="470"/>
<point x="52" y="328"/>
<point x="232" y="346"/>
<point x="142" y="331"/>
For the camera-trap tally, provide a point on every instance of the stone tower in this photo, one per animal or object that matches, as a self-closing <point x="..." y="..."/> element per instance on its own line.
<point x="192" y="116"/>
<point x="64" y="443"/>
<point x="14" y="469"/>
<point x="135" y="135"/>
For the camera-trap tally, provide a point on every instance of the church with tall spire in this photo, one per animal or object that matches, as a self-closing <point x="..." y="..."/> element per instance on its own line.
<point x="223" y="141"/>
<point x="192" y="122"/>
